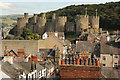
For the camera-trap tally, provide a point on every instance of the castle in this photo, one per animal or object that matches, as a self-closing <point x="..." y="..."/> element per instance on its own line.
<point x="39" y="24"/>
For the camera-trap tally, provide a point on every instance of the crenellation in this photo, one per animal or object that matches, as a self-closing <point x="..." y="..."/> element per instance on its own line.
<point x="26" y="16"/>
<point x="83" y="23"/>
<point x="53" y="16"/>
<point x="35" y="18"/>
<point x="94" y="22"/>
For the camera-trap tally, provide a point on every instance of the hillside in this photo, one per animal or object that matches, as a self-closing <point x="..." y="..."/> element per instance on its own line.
<point x="109" y="13"/>
<point x="9" y="20"/>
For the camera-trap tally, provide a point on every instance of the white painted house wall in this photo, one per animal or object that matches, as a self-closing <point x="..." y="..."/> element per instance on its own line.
<point x="44" y="36"/>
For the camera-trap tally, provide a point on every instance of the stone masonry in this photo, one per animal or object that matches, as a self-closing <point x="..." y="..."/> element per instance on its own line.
<point x="39" y="24"/>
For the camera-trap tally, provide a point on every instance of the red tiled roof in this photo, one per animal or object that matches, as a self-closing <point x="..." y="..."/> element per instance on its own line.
<point x="79" y="72"/>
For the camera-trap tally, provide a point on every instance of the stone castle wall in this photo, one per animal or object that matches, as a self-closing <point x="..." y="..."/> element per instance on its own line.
<point x="21" y="23"/>
<point x="58" y="23"/>
<point x="69" y="27"/>
<point x="41" y="24"/>
<point x="82" y="22"/>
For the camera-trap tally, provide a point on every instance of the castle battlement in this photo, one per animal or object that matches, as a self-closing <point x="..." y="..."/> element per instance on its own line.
<point x="20" y="18"/>
<point x="53" y="16"/>
<point x="43" y="15"/>
<point x="94" y="21"/>
<point x="58" y="23"/>
<point x="26" y="15"/>
<point x="62" y="19"/>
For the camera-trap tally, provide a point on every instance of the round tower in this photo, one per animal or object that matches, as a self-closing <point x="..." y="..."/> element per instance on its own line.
<point x="26" y="17"/>
<point x="53" y="16"/>
<point x="20" y="25"/>
<point x="43" y="15"/>
<point x="35" y="18"/>
<point x="41" y="24"/>
<point x="82" y="22"/>
<point x="94" y="21"/>
<point x="60" y="23"/>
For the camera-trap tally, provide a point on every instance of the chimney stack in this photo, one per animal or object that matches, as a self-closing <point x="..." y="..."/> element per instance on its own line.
<point x="62" y="61"/>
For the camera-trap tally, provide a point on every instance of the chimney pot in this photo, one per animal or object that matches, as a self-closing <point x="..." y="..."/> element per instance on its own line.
<point x="62" y="61"/>
<point x="78" y="61"/>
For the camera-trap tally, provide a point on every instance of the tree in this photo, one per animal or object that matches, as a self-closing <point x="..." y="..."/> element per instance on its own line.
<point x="18" y="38"/>
<point x="26" y="32"/>
<point x="8" y="37"/>
<point x="34" y="37"/>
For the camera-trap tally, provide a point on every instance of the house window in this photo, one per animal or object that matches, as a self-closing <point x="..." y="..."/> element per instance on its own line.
<point x="104" y="58"/>
<point x="104" y="64"/>
<point x="29" y="77"/>
<point x="41" y="72"/>
<point x="115" y="64"/>
<point x="35" y="76"/>
<point x="110" y="54"/>
<point x="116" y="56"/>
<point x="32" y="76"/>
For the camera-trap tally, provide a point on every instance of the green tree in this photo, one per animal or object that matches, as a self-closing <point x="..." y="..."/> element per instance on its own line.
<point x="26" y="32"/>
<point x="8" y="37"/>
<point x="34" y="37"/>
<point x="18" y="38"/>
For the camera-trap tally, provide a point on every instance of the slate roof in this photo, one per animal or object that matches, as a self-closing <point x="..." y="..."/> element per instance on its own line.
<point x="39" y="67"/>
<point x="9" y="70"/>
<point x="61" y="41"/>
<point x="85" y="46"/>
<point x="13" y="70"/>
<point x="109" y="48"/>
<point x="110" y="73"/>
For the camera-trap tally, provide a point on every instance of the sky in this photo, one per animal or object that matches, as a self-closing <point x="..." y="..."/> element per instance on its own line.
<point x="8" y="7"/>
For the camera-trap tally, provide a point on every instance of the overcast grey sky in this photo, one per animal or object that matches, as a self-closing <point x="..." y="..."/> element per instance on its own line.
<point x="34" y="6"/>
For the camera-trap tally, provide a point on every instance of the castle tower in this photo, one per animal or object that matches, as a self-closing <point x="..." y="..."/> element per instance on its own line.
<point x="34" y="18"/>
<point x="50" y="26"/>
<point x="69" y="27"/>
<point x="41" y="24"/>
<point x="26" y="17"/>
<point x="94" y="22"/>
<point x="60" y="23"/>
<point x="21" y="23"/>
<point x="53" y="16"/>
<point x="82" y="22"/>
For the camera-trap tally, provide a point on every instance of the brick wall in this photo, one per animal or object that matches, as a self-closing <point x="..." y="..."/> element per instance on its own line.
<point x="79" y="72"/>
